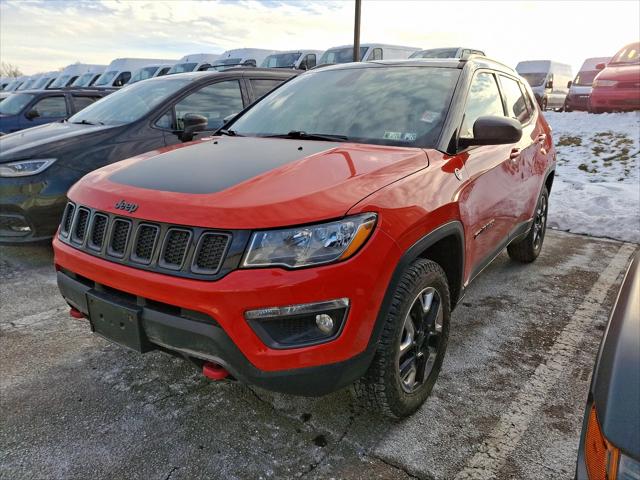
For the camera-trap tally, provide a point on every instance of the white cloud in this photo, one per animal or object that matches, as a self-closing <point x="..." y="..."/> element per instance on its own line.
<point x="39" y="35"/>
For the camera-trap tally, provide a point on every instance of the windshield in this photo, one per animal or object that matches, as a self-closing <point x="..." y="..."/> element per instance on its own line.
<point x="143" y="74"/>
<point x="14" y="103"/>
<point x="281" y="60"/>
<point x="40" y="83"/>
<point x="12" y="85"/>
<point x="629" y="54"/>
<point x="340" y="55"/>
<point x="130" y="104"/>
<point x="60" y="82"/>
<point x="83" y="80"/>
<point x="436" y="53"/>
<point x="26" y="85"/>
<point x="387" y="105"/>
<point x="585" y="78"/>
<point x="106" y="78"/>
<point x="534" y="79"/>
<point x="182" y="68"/>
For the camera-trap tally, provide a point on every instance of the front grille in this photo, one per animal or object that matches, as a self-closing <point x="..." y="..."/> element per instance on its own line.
<point x="98" y="231"/>
<point x="144" y="243"/>
<point x="80" y="226"/>
<point x="175" y="248"/>
<point x="119" y="237"/>
<point x="210" y="252"/>
<point x="193" y="252"/>
<point x="67" y="217"/>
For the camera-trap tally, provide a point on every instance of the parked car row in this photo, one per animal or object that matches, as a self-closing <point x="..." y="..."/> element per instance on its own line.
<point x="602" y="84"/>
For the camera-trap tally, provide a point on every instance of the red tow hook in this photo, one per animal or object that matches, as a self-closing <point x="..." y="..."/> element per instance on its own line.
<point x="214" y="371"/>
<point x="75" y="313"/>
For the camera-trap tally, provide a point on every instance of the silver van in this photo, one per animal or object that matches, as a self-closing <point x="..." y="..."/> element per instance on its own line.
<point x="580" y="87"/>
<point x="368" y="51"/>
<point x="549" y="81"/>
<point x="453" y="52"/>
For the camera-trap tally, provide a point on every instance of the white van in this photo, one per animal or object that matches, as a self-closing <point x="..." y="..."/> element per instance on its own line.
<point x="151" y="71"/>
<point x="89" y="78"/>
<point x="452" y="52"/>
<point x="580" y="87"/>
<point x="14" y="83"/>
<point x="368" y="51"/>
<point x="119" y="71"/>
<point x="26" y="85"/>
<point x="548" y="80"/>
<point x="44" y="80"/>
<point x="194" y="62"/>
<point x="72" y="72"/>
<point x="241" y="57"/>
<point x="298" y="59"/>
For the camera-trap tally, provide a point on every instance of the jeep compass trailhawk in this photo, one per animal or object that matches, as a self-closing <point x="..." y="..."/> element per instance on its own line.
<point x="321" y="238"/>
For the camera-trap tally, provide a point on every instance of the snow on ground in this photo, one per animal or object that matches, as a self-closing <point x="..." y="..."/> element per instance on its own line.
<point x="596" y="190"/>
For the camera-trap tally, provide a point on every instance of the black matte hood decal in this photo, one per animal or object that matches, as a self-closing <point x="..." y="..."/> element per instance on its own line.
<point x="215" y="165"/>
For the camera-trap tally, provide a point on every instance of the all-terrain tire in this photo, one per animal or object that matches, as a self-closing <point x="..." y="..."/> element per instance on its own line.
<point x="528" y="249"/>
<point x="380" y="388"/>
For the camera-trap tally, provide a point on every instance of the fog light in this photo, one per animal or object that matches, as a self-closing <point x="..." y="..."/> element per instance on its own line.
<point x="324" y="323"/>
<point x="21" y="228"/>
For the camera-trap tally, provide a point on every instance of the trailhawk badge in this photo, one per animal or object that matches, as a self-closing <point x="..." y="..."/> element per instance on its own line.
<point x="126" y="206"/>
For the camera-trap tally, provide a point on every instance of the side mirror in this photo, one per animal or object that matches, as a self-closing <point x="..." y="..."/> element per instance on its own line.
<point x="31" y="114"/>
<point x="600" y="66"/>
<point x="569" y="83"/>
<point x="549" y="83"/>
<point x="493" y="130"/>
<point x="303" y="65"/>
<point x="193" y="123"/>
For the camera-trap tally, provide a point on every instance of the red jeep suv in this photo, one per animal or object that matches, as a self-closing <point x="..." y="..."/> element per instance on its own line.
<point x="324" y="236"/>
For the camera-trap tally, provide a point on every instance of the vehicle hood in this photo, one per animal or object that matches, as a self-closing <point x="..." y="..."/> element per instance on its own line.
<point x="243" y="182"/>
<point x="621" y="73"/>
<point x="616" y="379"/>
<point x="46" y="139"/>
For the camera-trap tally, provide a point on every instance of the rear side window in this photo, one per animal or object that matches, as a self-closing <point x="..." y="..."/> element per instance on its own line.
<point x="516" y="104"/>
<point x="483" y="99"/>
<point x="81" y="102"/>
<point x="51" y="107"/>
<point x="262" y="86"/>
<point x="215" y="102"/>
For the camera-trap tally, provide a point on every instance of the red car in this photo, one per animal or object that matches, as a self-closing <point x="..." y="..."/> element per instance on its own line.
<point x="324" y="237"/>
<point x="617" y="86"/>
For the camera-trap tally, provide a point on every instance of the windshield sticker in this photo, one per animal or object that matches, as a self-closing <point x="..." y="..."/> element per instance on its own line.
<point x="409" y="137"/>
<point x="393" y="135"/>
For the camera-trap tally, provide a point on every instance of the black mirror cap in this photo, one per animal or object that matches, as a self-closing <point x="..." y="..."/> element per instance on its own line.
<point x="31" y="114"/>
<point x="495" y="130"/>
<point x="193" y="123"/>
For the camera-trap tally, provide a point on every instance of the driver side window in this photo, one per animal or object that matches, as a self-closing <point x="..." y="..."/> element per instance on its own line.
<point x="483" y="99"/>
<point x="215" y="102"/>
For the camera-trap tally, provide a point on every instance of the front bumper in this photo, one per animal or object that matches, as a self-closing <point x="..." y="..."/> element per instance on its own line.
<point x="578" y="101"/>
<point x="608" y="98"/>
<point x="228" y="338"/>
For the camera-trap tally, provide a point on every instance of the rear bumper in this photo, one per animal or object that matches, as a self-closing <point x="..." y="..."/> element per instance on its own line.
<point x="203" y="338"/>
<point x="227" y="338"/>
<point x="615" y="99"/>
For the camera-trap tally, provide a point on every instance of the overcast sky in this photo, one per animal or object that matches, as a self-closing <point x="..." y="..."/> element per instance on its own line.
<point x="49" y="34"/>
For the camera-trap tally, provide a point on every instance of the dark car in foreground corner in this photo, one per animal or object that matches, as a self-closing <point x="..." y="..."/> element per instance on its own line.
<point x="30" y="108"/>
<point x="325" y="235"/>
<point x="610" y="441"/>
<point x="38" y="165"/>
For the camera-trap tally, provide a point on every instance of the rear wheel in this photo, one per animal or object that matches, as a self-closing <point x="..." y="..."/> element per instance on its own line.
<point x="412" y="344"/>
<point x="528" y="249"/>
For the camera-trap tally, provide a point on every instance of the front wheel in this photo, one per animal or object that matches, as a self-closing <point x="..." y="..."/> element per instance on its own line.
<point x="528" y="249"/>
<point x="412" y="344"/>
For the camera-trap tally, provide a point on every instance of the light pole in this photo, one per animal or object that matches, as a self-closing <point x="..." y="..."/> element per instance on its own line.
<point x="356" y="33"/>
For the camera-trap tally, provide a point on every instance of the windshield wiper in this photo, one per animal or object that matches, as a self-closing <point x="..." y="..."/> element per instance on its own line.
<point x="230" y="133"/>
<point x="299" y="134"/>
<point x="86" y="122"/>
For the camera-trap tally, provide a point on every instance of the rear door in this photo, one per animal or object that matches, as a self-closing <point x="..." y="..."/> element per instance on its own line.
<point x="487" y="198"/>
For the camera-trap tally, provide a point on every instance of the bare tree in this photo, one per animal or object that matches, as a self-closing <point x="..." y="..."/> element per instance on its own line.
<point x="9" y="70"/>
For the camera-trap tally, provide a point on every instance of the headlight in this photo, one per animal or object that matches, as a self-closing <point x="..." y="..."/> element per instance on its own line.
<point x="628" y="468"/>
<point x="309" y="245"/>
<point x="605" y="83"/>
<point x="24" y="168"/>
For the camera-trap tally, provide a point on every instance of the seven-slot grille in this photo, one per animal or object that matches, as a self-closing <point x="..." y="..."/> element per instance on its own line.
<point x="171" y="249"/>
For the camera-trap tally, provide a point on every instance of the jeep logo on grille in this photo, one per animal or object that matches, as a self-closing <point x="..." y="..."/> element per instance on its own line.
<point x="126" y="206"/>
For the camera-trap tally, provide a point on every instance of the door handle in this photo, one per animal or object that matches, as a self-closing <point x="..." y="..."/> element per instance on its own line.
<point x="515" y="153"/>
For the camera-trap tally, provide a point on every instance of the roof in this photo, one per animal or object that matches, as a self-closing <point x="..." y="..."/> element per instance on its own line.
<point x="383" y="45"/>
